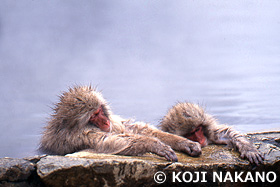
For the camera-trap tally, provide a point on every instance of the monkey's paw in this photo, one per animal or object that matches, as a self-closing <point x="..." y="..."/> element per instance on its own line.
<point x="190" y="147"/>
<point x="253" y="155"/>
<point x="167" y="152"/>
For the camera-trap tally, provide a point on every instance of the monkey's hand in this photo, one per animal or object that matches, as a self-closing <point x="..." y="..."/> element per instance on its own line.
<point x="252" y="154"/>
<point x="138" y="145"/>
<point x="190" y="147"/>
<point x="164" y="150"/>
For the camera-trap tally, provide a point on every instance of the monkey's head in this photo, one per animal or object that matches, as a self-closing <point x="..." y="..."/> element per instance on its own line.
<point x="187" y="120"/>
<point x="82" y="105"/>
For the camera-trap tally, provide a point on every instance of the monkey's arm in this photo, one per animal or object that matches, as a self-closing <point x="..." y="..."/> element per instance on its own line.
<point x="222" y="134"/>
<point x="129" y="144"/>
<point x="176" y="142"/>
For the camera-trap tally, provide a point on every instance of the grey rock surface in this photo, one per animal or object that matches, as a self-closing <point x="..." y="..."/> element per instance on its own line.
<point x="18" y="172"/>
<point x="14" y="169"/>
<point x="88" y="169"/>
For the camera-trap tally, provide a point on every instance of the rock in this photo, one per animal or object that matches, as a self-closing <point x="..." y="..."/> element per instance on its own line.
<point x="217" y="166"/>
<point x="88" y="169"/>
<point x="268" y="143"/>
<point x="67" y="171"/>
<point x="18" y="172"/>
<point x="34" y="159"/>
<point x="13" y="169"/>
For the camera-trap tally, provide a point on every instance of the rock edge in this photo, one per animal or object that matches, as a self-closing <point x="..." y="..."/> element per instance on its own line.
<point x="84" y="169"/>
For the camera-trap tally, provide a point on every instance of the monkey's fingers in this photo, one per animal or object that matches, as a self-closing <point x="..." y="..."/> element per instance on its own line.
<point x="256" y="161"/>
<point x="260" y="158"/>
<point x="170" y="155"/>
<point x="255" y="158"/>
<point x="196" y="150"/>
<point x="250" y="158"/>
<point x="188" y="150"/>
<point x="193" y="149"/>
<point x="173" y="157"/>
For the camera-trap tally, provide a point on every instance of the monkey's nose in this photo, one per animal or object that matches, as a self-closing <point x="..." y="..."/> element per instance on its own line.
<point x="107" y="126"/>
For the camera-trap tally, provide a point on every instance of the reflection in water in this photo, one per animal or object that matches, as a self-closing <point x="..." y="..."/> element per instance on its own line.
<point x="144" y="57"/>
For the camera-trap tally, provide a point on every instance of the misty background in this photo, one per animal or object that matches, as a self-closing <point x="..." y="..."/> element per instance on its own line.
<point x="143" y="55"/>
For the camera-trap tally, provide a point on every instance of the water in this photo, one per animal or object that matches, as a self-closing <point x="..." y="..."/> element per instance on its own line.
<point x="144" y="56"/>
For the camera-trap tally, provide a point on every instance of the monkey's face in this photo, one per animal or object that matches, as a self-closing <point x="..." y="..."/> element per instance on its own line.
<point x="188" y="120"/>
<point x="100" y="119"/>
<point x="197" y="135"/>
<point x="83" y="105"/>
<point x="185" y="117"/>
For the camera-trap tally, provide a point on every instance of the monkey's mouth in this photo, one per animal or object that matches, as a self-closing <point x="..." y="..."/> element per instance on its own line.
<point x="198" y="136"/>
<point x="201" y="140"/>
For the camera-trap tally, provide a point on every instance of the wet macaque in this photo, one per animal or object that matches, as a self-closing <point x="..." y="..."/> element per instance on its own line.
<point x="82" y="120"/>
<point x="190" y="121"/>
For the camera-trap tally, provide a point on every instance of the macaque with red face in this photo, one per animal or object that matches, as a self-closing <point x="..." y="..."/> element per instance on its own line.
<point x="82" y="120"/>
<point x="190" y="121"/>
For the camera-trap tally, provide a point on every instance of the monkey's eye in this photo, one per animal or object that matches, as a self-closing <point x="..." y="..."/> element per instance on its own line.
<point x="186" y="115"/>
<point x="188" y="134"/>
<point x="195" y="130"/>
<point x="96" y="112"/>
<point x="79" y="99"/>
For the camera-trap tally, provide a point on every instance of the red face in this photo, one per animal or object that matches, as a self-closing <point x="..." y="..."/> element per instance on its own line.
<point x="98" y="118"/>
<point x="197" y="135"/>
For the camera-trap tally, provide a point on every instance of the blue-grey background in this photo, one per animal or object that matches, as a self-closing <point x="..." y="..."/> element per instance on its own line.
<point x="144" y="55"/>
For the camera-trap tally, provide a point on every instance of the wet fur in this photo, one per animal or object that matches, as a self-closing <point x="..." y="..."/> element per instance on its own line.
<point x="183" y="118"/>
<point x="69" y="130"/>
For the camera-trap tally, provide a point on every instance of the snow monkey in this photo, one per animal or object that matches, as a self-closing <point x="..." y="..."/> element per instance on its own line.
<point x="190" y="121"/>
<point x="82" y="120"/>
